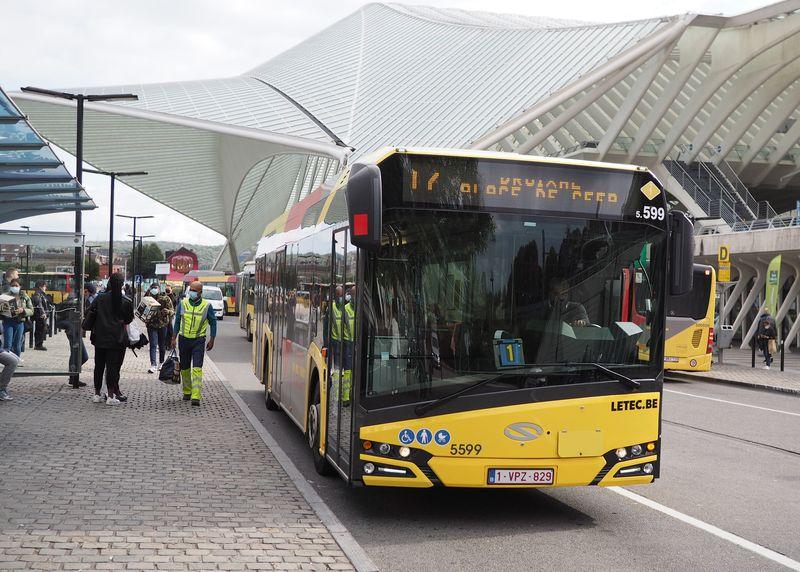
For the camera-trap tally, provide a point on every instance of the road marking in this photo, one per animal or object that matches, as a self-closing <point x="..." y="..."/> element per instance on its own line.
<point x="733" y="403"/>
<point x="710" y="528"/>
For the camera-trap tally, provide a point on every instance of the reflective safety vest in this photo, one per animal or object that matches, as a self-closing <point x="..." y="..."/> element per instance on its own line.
<point x="194" y="319"/>
<point x="338" y="322"/>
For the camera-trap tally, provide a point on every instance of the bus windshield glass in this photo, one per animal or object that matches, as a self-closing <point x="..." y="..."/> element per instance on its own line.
<point x="459" y="297"/>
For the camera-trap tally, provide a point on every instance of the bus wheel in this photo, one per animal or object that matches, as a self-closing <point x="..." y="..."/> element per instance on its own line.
<point x="271" y="404"/>
<point x="314" y="419"/>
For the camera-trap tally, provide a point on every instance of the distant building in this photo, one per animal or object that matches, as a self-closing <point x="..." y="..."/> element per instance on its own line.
<point x="11" y="252"/>
<point x="181" y="262"/>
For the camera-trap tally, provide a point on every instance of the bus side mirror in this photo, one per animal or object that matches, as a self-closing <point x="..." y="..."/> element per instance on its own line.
<point x="365" y="206"/>
<point x="681" y="253"/>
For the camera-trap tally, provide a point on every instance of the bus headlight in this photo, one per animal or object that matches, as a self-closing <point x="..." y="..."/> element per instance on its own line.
<point x="622" y="452"/>
<point x="405" y="451"/>
<point x="648" y="468"/>
<point x="385" y="448"/>
<point x="369" y="468"/>
<point x="636" y="450"/>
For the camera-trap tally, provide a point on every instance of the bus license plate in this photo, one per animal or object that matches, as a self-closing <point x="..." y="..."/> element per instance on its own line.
<point x="521" y="476"/>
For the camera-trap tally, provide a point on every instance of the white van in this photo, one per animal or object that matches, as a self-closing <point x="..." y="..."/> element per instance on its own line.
<point x="214" y="297"/>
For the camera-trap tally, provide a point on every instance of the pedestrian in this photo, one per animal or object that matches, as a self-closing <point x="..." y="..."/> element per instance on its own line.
<point x="89" y="294"/>
<point x="157" y="326"/>
<point x="41" y="310"/>
<point x="193" y="320"/>
<point x="767" y="335"/>
<point x="107" y="317"/>
<point x="14" y="323"/>
<point x="174" y="299"/>
<point x="9" y="361"/>
<point x="66" y="316"/>
<point x="9" y="275"/>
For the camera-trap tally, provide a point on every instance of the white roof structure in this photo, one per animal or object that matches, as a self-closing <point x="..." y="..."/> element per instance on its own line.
<point x="235" y="153"/>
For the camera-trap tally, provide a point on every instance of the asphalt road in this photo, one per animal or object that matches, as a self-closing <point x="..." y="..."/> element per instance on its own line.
<point x="731" y="460"/>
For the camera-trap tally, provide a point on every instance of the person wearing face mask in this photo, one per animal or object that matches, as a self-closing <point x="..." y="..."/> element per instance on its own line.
<point x="8" y="276"/>
<point x="41" y="309"/>
<point x="14" y="324"/>
<point x="342" y="328"/>
<point x="193" y="320"/>
<point x="157" y="326"/>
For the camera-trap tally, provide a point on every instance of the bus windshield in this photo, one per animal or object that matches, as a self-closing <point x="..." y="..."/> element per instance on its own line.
<point x="456" y="297"/>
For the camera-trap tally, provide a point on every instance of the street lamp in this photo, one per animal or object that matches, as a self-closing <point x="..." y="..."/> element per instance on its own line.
<point x="79" y="98"/>
<point x="133" y="249"/>
<point x="113" y="175"/>
<point x="27" y="257"/>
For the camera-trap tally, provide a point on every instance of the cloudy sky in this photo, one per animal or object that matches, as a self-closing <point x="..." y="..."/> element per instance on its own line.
<point x="61" y="43"/>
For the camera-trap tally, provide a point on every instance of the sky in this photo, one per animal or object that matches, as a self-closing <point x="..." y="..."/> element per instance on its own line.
<point x="67" y="43"/>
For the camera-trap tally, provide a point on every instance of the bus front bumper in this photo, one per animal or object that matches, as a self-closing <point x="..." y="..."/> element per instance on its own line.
<point x="607" y="470"/>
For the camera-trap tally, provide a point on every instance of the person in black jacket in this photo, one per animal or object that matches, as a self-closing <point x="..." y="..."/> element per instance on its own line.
<point x="41" y="310"/>
<point x="112" y="312"/>
<point x="767" y="332"/>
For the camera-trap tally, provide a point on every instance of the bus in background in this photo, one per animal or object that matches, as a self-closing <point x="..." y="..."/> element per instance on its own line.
<point x="244" y="285"/>
<point x="59" y="284"/>
<point x="223" y="281"/>
<point x="689" y="337"/>
<point x="458" y="320"/>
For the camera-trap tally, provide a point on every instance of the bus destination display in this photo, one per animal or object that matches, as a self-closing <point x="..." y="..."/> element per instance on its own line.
<point x="455" y="182"/>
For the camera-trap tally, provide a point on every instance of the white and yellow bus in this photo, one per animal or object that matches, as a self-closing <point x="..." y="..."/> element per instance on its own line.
<point x="690" y="324"/>
<point x="463" y="319"/>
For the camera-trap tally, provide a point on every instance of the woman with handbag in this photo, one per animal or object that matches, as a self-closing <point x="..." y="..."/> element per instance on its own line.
<point x="14" y="324"/>
<point x="107" y="319"/>
<point x="767" y="335"/>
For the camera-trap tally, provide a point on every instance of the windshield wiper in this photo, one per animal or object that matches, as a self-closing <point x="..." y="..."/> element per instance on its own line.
<point x="621" y="377"/>
<point x="425" y="407"/>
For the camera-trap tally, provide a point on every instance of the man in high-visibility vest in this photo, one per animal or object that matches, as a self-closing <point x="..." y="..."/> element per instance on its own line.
<point x="342" y="328"/>
<point x="193" y="320"/>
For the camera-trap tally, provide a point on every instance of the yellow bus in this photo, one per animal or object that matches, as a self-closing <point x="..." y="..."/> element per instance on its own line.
<point x="459" y="320"/>
<point x="225" y="282"/>
<point x="59" y="284"/>
<point x="245" y="294"/>
<point x="690" y="324"/>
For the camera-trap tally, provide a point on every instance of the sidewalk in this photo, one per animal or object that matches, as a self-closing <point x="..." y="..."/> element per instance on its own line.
<point x="153" y="484"/>
<point x="736" y="369"/>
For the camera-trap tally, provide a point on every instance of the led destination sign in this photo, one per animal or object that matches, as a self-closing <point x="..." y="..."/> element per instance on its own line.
<point x="489" y="184"/>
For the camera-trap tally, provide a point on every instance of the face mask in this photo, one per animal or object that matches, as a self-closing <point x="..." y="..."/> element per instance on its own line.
<point x="193" y="295"/>
<point x="154" y="291"/>
<point x="347" y="298"/>
<point x="14" y="289"/>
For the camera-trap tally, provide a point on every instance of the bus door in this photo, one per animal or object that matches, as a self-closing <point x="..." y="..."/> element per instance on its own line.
<point x="341" y="353"/>
<point x="278" y="322"/>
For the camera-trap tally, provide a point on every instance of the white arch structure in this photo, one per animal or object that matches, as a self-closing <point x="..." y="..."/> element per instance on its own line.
<point x="236" y="153"/>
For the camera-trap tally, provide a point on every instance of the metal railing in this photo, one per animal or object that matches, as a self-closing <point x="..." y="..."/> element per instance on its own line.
<point x="741" y="192"/>
<point x="774" y="223"/>
<point x="716" y="208"/>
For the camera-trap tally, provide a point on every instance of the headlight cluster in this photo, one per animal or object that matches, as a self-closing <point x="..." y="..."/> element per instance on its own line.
<point x="635" y="451"/>
<point x="385" y="449"/>
<point x="632" y="452"/>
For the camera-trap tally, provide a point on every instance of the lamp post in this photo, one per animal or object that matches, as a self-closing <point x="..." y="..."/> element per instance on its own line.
<point x="79" y="99"/>
<point x="27" y="258"/>
<point x="141" y="238"/>
<point x="133" y="246"/>
<point x="113" y="175"/>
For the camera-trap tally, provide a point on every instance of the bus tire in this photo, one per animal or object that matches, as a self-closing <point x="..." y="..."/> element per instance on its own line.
<point x="271" y="404"/>
<point x="321" y="464"/>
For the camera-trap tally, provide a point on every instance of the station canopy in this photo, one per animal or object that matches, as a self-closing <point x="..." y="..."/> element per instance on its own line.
<point x="239" y="152"/>
<point x="33" y="180"/>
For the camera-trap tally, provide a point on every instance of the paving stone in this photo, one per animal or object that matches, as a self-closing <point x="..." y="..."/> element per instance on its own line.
<point x="153" y="484"/>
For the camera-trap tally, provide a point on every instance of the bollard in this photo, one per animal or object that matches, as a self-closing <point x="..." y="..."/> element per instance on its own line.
<point x="782" y="344"/>
<point x="753" y="357"/>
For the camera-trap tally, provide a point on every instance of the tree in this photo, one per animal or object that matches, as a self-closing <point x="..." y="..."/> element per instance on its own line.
<point x="38" y="268"/>
<point x="151" y="253"/>
<point x="92" y="269"/>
